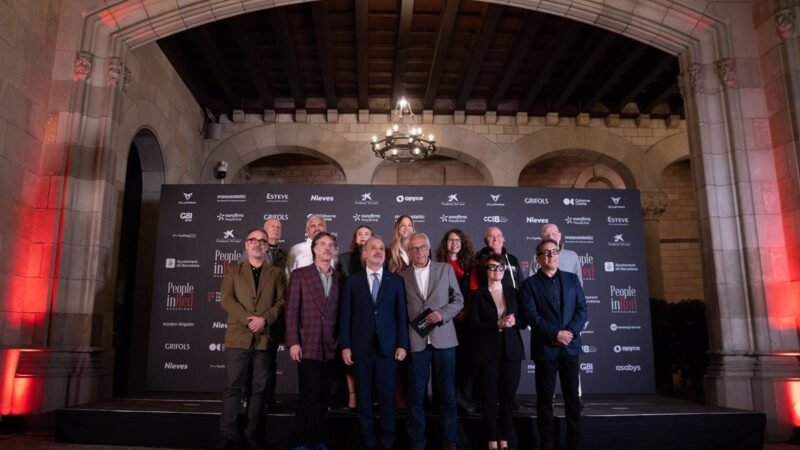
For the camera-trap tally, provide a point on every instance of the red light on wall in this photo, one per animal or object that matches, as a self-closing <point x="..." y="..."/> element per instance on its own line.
<point x="9" y="372"/>
<point x="783" y="305"/>
<point x="18" y="395"/>
<point x="793" y="391"/>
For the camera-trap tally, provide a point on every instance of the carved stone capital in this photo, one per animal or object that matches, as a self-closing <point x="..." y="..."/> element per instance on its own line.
<point x="726" y="69"/>
<point x="691" y="79"/>
<point x="114" y="71"/>
<point x="82" y="65"/>
<point x="784" y="22"/>
<point x="126" y="78"/>
<point x="654" y="204"/>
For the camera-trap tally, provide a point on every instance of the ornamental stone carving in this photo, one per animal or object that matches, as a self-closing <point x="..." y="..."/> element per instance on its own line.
<point x="784" y="21"/>
<point x="726" y="69"/>
<point x="82" y="65"/>
<point x="695" y="78"/>
<point x="653" y="204"/>
<point x="114" y="70"/>
<point x="126" y="78"/>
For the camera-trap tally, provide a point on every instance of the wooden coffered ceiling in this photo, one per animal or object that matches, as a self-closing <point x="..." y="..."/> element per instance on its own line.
<point x="442" y="55"/>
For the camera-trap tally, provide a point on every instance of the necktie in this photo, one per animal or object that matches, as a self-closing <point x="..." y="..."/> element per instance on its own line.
<point x="376" y="284"/>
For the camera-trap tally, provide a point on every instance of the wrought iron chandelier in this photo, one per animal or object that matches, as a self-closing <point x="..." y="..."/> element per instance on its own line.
<point x="403" y="142"/>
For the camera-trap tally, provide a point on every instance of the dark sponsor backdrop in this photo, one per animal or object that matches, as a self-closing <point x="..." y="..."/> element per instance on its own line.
<point x="201" y="229"/>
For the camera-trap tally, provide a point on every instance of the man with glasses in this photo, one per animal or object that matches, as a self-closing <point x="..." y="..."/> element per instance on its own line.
<point x="554" y="305"/>
<point x="431" y="286"/>
<point x="253" y="294"/>
<point x="567" y="259"/>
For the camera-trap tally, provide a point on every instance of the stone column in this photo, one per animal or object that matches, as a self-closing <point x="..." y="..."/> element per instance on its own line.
<point x="654" y="204"/>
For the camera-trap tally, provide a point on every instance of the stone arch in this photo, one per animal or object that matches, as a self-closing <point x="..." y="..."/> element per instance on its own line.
<point x="589" y="143"/>
<point x="452" y="155"/>
<point x="600" y="171"/>
<point x="144" y="123"/>
<point x="660" y="156"/>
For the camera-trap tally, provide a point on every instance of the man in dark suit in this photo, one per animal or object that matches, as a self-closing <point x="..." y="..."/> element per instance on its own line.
<point x="555" y="307"/>
<point x="432" y="285"/>
<point x="373" y="336"/>
<point x="276" y="256"/>
<point x="253" y="295"/>
<point x="311" y="314"/>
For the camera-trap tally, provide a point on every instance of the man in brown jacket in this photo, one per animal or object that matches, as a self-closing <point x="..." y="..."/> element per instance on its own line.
<point x="253" y="294"/>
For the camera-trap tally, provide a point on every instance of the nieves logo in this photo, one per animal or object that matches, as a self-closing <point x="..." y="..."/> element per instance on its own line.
<point x="321" y="198"/>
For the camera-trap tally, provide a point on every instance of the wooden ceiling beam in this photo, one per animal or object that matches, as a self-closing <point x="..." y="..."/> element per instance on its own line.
<point x="620" y="69"/>
<point x="277" y="18"/>
<point x="586" y="64"/>
<point x="666" y="93"/>
<point x="218" y="66"/>
<point x="319" y="11"/>
<point x="362" y="52"/>
<point x="662" y="65"/>
<point x="403" y="38"/>
<point x="240" y="28"/>
<point x="525" y="37"/>
<point x="550" y="64"/>
<point x="484" y="39"/>
<point x="441" y="51"/>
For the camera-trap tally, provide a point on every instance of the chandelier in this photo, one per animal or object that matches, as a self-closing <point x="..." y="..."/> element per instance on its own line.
<point x="403" y="141"/>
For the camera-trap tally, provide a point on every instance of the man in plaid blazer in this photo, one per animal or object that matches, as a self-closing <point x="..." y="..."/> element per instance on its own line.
<point x="311" y="315"/>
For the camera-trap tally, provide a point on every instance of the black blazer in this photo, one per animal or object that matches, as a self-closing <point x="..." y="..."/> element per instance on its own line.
<point x="487" y="341"/>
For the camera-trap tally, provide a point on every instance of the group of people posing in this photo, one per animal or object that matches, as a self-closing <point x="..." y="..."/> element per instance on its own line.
<point x="396" y="314"/>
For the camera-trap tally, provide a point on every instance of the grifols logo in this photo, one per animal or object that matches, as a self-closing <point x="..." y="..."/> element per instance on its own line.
<point x="180" y="297"/>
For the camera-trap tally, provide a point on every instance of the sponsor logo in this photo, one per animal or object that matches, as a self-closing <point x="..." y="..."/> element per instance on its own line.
<point x="541" y="220"/>
<point x="582" y="239"/>
<point x="276" y="198"/>
<point x="578" y="220"/>
<point x="231" y="198"/>
<point x="626" y="348"/>
<point x="611" y="266"/>
<point x="452" y="200"/>
<point x="176" y="366"/>
<point x="185" y="216"/>
<point x="366" y="199"/>
<point x="623" y="300"/>
<point x="176" y="346"/>
<point x="587" y="266"/>
<point x="366" y="217"/>
<point x="455" y="218"/>
<point x="592" y="299"/>
<point x="586" y="329"/>
<point x="221" y="325"/>
<point x="589" y="348"/>
<point x="214" y="297"/>
<point x="228" y="237"/>
<point x="495" y="197"/>
<point x="618" y="240"/>
<point x="408" y="198"/>
<point x="417" y="218"/>
<point x="187" y="199"/>
<point x="328" y="218"/>
<point x="216" y="347"/>
<point x="180" y="297"/>
<point x="321" y="198"/>
<point x="223" y="259"/>
<point x="495" y="219"/>
<point x="587" y="367"/>
<point x="216" y="366"/>
<point x="615" y="203"/>
<point x="618" y="221"/>
<point x="537" y="201"/>
<point x="178" y="324"/>
<point x="184" y="235"/>
<point x="172" y="263"/>
<point x="629" y="368"/>
<point x="230" y="217"/>
<point x="615" y="327"/>
<point x="281" y="217"/>
<point x="576" y="201"/>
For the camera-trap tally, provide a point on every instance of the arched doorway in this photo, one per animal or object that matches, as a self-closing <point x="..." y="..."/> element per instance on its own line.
<point x="144" y="176"/>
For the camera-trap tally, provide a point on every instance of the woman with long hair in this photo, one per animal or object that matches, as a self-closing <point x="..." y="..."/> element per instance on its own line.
<point x="497" y="348"/>
<point x="398" y="255"/>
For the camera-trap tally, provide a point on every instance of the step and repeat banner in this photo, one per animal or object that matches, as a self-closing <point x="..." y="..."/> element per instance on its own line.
<point x="201" y="231"/>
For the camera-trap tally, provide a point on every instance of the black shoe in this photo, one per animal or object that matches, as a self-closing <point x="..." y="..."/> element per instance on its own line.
<point x="229" y="444"/>
<point x="252" y="443"/>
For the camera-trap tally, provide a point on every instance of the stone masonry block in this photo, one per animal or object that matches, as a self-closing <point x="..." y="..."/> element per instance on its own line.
<point x="552" y="119"/>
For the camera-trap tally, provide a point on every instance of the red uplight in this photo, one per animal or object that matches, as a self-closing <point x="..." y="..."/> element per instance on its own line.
<point x="793" y="397"/>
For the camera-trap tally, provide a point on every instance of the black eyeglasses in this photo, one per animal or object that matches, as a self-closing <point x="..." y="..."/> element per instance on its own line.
<point x="496" y="267"/>
<point x="254" y="241"/>
<point x="549" y="253"/>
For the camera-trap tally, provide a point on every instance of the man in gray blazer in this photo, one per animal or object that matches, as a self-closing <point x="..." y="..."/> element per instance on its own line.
<point x="431" y="285"/>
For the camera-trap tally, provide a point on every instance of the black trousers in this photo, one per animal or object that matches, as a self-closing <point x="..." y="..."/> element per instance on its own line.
<point x="316" y="379"/>
<point x="567" y="368"/>
<point x="376" y="374"/>
<point x="500" y="380"/>
<point x="238" y="362"/>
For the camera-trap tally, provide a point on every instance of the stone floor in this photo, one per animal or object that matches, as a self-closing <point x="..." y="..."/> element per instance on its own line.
<point x="44" y="441"/>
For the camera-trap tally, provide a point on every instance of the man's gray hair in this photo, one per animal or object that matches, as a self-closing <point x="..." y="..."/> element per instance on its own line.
<point x="312" y="217"/>
<point x="427" y="241"/>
